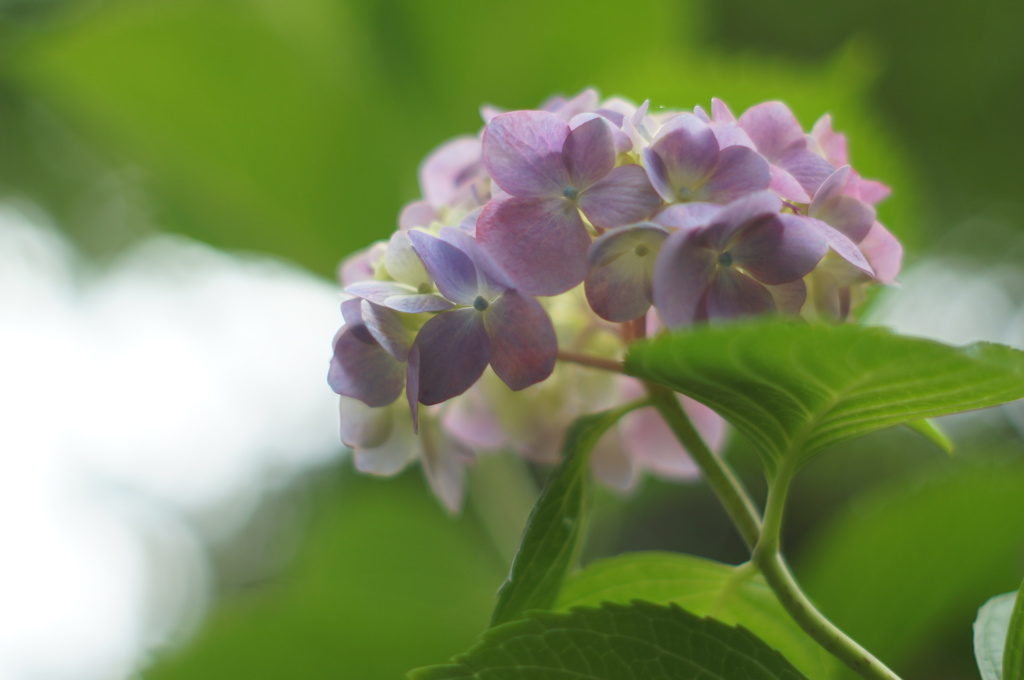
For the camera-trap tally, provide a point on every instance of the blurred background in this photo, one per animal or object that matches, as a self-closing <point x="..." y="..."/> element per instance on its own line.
<point x="178" y="182"/>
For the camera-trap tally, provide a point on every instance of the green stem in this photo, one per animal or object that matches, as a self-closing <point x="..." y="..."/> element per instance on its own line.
<point x="719" y="475"/>
<point x="768" y="558"/>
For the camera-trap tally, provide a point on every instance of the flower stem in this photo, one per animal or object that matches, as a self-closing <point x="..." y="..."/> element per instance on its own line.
<point x="590" y="360"/>
<point x="720" y="477"/>
<point x="767" y="556"/>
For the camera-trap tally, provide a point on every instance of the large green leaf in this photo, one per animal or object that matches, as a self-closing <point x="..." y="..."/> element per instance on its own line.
<point x="616" y="642"/>
<point x="1013" y="651"/>
<point x="990" y="639"/>
<point x="732" y="595"/>
<point x="794" y="389"/>
<point x="554" y="532"/>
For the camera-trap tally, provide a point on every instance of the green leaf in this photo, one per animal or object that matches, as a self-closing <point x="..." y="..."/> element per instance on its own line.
<point x="555" y="530"/>
<point x="990" y="629"/>
<point x="1013" y="653"/>
<point x="794" y="389"/>
<point x="732" y="595"/>
<point x="931" y="431"/>
<point x="616" y="642"/>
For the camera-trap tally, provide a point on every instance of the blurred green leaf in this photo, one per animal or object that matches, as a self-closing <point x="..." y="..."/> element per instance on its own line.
<point x="990" y="629"/>
<point x="641" y="640"/>
<point x="793" y="389"/>
<point x="1013" y="652"/>
<point x="907" y="565"/>
<point x="931" y="431"/>
<point x="362" y="597"/>
<point x="555" y="530"/>
<point x="732" y="595"/>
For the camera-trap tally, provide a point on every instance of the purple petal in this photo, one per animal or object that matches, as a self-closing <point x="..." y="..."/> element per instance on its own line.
<point x="739" y="213"/>
<point x="412" y="386"/>
<point x="447" y="168"/>
<point x="884" y="252"/>
<point x="491" y="280"/>
<point x="619" y="286"/>
<point x="871" y="191"/>
<point x="523" y="343"/>
<point x="540" y="244"/>
<point x="842" y="245"/>
<point x="774" y="129"/>
<point x="731" y="134"/>
<point x="832" y="144"/>
<point x="789" y="297"/>
<point x="417" y="303"/>
<point x="732" y="294"/>
<point x="688" y="151"/>
<point x="387" y="329"/>
<point x="688" y="215"/>
<point x="586" y="100"/>
<point x="623" y="197"/>
<point x="523" y="153"/>
<point x="786" y="186"/>
<point x="364" y="371"/>
<point x="681" y="276"/>
<point x="739" y="171"/>
<point x="845" y="213"/>
<point x="807" y="167"/>
<point x="444" y="465"/>
<point x="453" y="352"/>
<point x="699" y="111"/>
<point x="720" y="111"/>
<point x="778" y="249"/>
<point x="451" y="269"/>
<point x="589" y="153"/>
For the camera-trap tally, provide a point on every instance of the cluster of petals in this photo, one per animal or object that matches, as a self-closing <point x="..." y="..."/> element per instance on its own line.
<point x="585" y="219"/>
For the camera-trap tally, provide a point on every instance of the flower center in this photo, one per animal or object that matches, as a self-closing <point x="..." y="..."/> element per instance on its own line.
<point x="684" y="194"/>
<point x="641" y="250"/>
<point x="725" y="259"/>
<point x="570" y="193"/>
<point x="480" y="304"/>
<point x="424" y="288"/>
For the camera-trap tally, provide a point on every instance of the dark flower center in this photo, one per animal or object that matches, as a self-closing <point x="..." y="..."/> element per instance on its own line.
<point x="685" y="194"/>
<point x="641" y="250"/>
<point x="725" y="259"/>
<point x="424" y="288"/>
<point x="570" y="193"/>
<point x="480" y="304"/>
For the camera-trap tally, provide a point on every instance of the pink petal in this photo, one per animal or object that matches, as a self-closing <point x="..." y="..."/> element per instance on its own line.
<point x="774" y="129"/>
<point x="884" y="252"/>
<point x="523" y="343"/>
<point x="447" y="168"/>
<point x="686" y="151"/>
<point x="807" y="167"/>
<point x="540" y="244"/>
<point x="416" y="214"/>
<point x="522" y="151"/>
<point x="871" y="191"/>
<point x="453" y="352"/>
<point x="720" y="111"/>
<point x="838" y="242"/>
<point x="471" y="420"/>
<point x="688" y="215"/>
<point x="832" y="144"/>
<point x="731" y="134"/>
<point x="786" y="186"/>
<point x="789" y="297"/>
<point x="623" y="197"/>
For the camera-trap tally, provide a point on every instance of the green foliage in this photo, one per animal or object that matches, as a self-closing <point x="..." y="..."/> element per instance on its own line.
<point x="732" y="595"/>
<point x="907" y="565"/>
<point x="1013" y="652"/>
<point x="641" y="641"/>
<point x="794" y="389"/>
<point x="554" y="532"/>
<point x="990" y="635"/>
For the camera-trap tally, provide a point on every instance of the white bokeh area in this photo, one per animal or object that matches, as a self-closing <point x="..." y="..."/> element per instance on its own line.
<point x="178" y="382"/>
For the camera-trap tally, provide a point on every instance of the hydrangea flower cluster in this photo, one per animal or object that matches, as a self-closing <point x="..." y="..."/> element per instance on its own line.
<point x="567" y="233"/>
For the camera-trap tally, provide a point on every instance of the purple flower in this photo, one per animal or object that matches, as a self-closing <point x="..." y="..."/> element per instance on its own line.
<point x="370" y="352"/>
<point x="494" y="324"/>
<point x="686" y="163"/>
<point x="619" y="285"/>
<point x="552" y="172"/>
<point x="750" y="259"/>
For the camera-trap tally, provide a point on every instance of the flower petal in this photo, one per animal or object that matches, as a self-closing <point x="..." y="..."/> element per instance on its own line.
<point x="688" y="152"/>
<point x="786" y="186"/>
<point x="447" y="168"/>
<point x="883" y="251"/>
<point x="623" y="197"/>
<point x="774" y="129"/>
<point x="362" y="370"/>
<point x="444" y="465"/>
<point x="739" y="213"/>
<point x="720" y="111"/>
<point x="789" y="297"/>
<point x="732" y="294"/>
<point x="523" y="152"/>
<point x="362" y="425"/>
<point x="681" y="276"/>
<point x="619" y="287"/>
<point x="778" y="249"/>
<point x="416" y="214"/>
<point x="403" y="264"/>
<point x="522" y="340"/>
<point x="540" y="244"/>
<point x="838" y="242"/>
<point x="453" y="352"/>
<point x="807" y="167"/>
<point x="739" y="171"/>
<point x="589" y="153"/>
<point x="452" y="270"/>
<point x="387" y="329"/>
<point x="832" y="144"/>
<point x="687" y="215"/>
